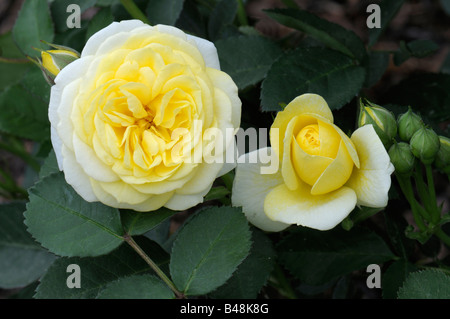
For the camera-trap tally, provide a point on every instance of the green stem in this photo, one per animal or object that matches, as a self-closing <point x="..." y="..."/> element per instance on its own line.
<point x="406" y="188"/>
<point x="13" y="60"/>
<point x="442" y="236"/>
<point x="153" y="265"/>
<point x="242" y="14"/>
<point x="134" y="10"/>
<point x="436" y="214"/>
<point x="422" y="187"/>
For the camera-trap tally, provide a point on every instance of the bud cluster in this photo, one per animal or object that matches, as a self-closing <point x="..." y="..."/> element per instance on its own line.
<point x="417" y="142"/>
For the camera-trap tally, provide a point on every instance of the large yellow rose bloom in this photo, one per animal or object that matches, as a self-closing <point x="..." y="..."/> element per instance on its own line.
<point x="129" y="118"/>
<point x="323" y="173"/>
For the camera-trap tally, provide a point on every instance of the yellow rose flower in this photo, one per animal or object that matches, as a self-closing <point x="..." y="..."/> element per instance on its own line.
<point x="323" y="173"/>
<point x="131" y="119"/>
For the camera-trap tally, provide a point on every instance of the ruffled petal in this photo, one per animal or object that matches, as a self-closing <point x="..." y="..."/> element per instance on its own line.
<point x="97" y="39"/>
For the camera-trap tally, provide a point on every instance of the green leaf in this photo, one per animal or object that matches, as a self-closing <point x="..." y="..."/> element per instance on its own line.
<point x="35" y="84"/>
<point x="102" y="19"/>
<point x="15" y="71"/>
<point x="388" y="10"/>
<point x="218" y="192"/>
<point x="222" y="16"/>
<point x="394" y="277"/>
<point x="326" y="72"/>
<point x="416" y="48"/>
<point x="376" y="66"/>
<point x="49" y="166"/>
<point x="32" y="25"/>
<point x="137" y="287"/>
<point x="208" y="249"/>
<point x="395" y="227"/>
<point x="253" y="273"/>
<point x="426" y="284"/>
<point x="191" y="20"/>
<point x="317" y="257"/>
<point x="331" y="34"/>
<point x="67" y="225"/>
<point x="22" y="260"/>
<point x="164" y="12"/>
<point x="138" y="223"/>
<point x="23" y="115"/>
<point x="247" y="58"/>
<point x="97" y="272"/>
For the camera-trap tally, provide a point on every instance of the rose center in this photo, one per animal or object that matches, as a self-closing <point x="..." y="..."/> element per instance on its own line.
<point x="308" y="139"/>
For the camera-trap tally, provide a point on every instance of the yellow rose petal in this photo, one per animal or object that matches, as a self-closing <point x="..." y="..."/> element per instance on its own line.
<point x="336" y="174"/>
<point x="329" y="139"/>
<point x="299" y="207"/>
<point x="287" y="168"/>
<point x="308" y="167"/>
<point x="306" y="104"/>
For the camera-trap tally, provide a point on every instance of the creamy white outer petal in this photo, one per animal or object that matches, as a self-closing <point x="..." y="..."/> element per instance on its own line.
<point x="57" y="147"/>
<point x="373" y="180"/>
<point x="230" y="159"/>
<point x="149" y="204"/>
<point x="64" y="110"/>
<point x="208" y="51"/>
<point x="94" y="42"/>
<point x="205" y="174"/>
<point x="69" y="74"/>
<point x="63" y="81"/>
<point x="182" y="202"/>
<point x="224" y="82"/>
<point x="76" y="177"/>
<point x="163" y="28"/>
<point x="250" y="189"/>
<point x="322" y="212"/>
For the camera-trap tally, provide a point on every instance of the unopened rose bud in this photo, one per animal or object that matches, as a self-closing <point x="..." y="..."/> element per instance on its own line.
<point x="442" y="160"/>
<point x="402" y="158"/>
<point x="425" y="145"/>
<point x="408" y="124"/>
<point x="53" y="61"/>
<point x="382" y="120"/>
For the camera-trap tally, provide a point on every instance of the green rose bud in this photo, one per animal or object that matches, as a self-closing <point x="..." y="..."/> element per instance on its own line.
<point x="402" y="158"/>
<point x="442" y="160"/>
<point x="383" y="121"/>
<point x="425" y="145"/>
<point x="408" y="124"/>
